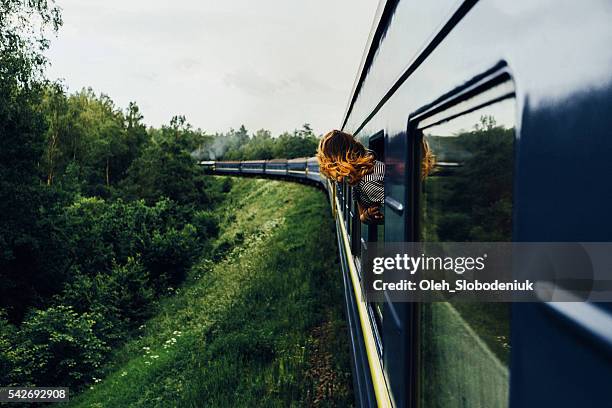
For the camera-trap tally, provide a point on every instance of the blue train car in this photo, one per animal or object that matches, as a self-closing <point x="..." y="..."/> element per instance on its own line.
<point x="297" y="167"/>
<point x="253" y="166"/>
<point x="513" y="101"/>
<point x="227" y="167"/>
<point x="312" y="170"/>
<point x="276" y="167"/>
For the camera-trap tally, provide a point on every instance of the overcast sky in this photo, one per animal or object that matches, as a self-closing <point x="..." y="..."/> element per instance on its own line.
<point x="272" y="64"/>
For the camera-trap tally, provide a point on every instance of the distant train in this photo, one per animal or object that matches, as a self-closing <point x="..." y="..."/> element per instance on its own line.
<point x="305" y="169"/>
<point x="514" y="100"/>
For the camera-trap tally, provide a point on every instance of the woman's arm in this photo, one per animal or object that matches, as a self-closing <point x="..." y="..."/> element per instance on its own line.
<point x="369" y="215"/>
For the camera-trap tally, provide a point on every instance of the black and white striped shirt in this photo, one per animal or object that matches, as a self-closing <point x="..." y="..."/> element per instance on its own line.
<point x="370" y="190"/>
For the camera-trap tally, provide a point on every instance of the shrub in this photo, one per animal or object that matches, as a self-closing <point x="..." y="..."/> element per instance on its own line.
<point x="7" y="357"/>
<point x="206" y="224"/>
<point x="122" y="298"/>
<point x="95" y="294"/>
<point x="226" y="185"/>
<point x="58" y="347"/>
<point x="101" y="233"/>
<point x="171" y="253"/>
<point x="82" y="227"/>
<point x="132" y="292"/>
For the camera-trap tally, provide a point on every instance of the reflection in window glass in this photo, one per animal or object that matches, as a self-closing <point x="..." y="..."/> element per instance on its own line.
<point x="376" y="232"/>
<point x="467" y="196"/>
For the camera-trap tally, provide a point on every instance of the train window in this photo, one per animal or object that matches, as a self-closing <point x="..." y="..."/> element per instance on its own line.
<point x="376" y="233"/>
<point x="373" y="233"/>
<point x="465" y="196"/>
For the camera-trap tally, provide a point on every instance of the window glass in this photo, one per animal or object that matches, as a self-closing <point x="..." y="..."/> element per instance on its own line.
<point x="466" y="195"/>
<point x="376" y="232"/>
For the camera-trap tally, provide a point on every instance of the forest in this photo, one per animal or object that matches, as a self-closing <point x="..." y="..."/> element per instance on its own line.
<point x="239" y="145"/>
<point x="102" y="216"/>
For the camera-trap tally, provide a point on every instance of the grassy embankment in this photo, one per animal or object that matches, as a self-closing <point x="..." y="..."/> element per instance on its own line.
<point x="261" y="326"/>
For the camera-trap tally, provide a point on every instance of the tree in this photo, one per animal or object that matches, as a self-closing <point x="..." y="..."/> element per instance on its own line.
<point x="22" y="196"/>
<point x="135" y="128"/>
<point x="166" y="167"/>
<point x="300" y="143"/>
<point x="260" y="146"/>
<point x="55" y="106"/>
<point x="242" y="136"/>
<point x="234" y="143"/>
<point x="88" y="131"/>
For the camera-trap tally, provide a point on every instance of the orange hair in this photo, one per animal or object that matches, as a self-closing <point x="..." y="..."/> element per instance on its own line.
<point x="429" y="159"/>
<point x="340" y="155"/>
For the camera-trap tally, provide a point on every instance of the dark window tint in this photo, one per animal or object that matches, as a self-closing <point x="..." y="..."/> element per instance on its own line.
<point x="466" y="195"/>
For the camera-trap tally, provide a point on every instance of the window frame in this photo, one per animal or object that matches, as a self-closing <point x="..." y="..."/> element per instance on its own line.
<point x="469" y="97"/>
<point x="487" y="85"/>
<point x="362" y="238"/>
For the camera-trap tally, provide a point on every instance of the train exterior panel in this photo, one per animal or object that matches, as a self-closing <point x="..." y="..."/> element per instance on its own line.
<point x="444" y="72"/>
<point x="276" y="167"/>
<point x="253" y="166"/>
<point x="227" y="167"/>
<point x="297" y="167"/>
<point x="312" y="168"/>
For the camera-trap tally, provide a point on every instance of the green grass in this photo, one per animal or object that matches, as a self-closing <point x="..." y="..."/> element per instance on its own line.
<point x="260" y="326"/>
